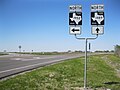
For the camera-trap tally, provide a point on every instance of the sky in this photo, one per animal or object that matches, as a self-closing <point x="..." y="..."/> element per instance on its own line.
<point x="43" y="25"/>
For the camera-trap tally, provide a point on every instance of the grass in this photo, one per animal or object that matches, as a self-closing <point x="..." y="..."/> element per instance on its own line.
<point x="101" y="72"/>
<point x="114" y="61"/>
<point x="68" y="75"/>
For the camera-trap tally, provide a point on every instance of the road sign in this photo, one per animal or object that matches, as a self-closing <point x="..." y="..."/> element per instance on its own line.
<point x="98" y="7"/>
<point x="97" y="18"/>
<point x="75" y="30"/>
<point x="75" y="18"/>
<point x="97" y="30"/>
<point x="19" y="46"/>
<point x="75" y="8"/>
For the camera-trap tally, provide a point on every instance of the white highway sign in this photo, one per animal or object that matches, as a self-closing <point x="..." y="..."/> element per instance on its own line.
<point x="75" y="30"/>
<point x="97" y="30"/>
<point x="75" y="8"/>
<point x="97" y="18"/>
<point x="75" y="18"/>
<point x="98" y="7"/>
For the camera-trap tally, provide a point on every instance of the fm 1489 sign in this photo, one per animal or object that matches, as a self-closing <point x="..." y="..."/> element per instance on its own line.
<point x="97" y="18"/>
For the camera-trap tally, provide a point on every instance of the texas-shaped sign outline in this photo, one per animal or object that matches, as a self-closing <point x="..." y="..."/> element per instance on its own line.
<point x="98" y="20"/>
<point x="74" y="18"/>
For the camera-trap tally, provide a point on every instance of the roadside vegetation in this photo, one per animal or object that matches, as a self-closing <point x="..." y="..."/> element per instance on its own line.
<point x="1" y="53"/>
<point x="46" y="53"/>
<point x="117" y="50"/>
<point x="61" y="53"/>
<point x="102" y="73"/>
<point x="40" y="53"/>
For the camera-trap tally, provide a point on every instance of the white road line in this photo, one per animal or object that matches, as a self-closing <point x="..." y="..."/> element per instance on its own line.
<point x="15" y="58"/>
<point x="29" y="59"/>
<point x="36" y="58"/>
<point x="32" y="65"/>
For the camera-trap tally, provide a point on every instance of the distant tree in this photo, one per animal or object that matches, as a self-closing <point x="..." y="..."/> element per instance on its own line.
<point x="112" y="51"/>
<point x="5" y="51"/>
<point x="77" y="51"/>
<point x="117" y="50"/>
<point x="69" y="51"/>
<point x="106" y="51"/>
<point x="99" y="51"/>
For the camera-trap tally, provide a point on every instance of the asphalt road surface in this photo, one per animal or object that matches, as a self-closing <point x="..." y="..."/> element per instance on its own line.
<point x="15" y="63"/>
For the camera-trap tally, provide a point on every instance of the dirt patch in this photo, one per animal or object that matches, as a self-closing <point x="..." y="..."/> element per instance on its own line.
<point x="112" y="64"/>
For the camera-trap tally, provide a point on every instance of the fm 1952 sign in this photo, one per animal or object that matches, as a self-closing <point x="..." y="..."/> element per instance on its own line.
<point x="75" y="18"/>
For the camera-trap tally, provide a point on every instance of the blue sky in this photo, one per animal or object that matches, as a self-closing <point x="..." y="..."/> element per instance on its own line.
<point x="42" y="25"/>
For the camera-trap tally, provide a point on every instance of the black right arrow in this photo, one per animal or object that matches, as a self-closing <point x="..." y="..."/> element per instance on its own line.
<point x="75" y="30"/>
<point x="97" y="30"/>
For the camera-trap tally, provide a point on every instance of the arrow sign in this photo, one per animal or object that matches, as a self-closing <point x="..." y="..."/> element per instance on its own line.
<point x="97" y="30"/>
<point x="75" y="30"/>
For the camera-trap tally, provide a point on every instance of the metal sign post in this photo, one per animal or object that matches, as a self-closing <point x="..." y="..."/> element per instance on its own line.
<point x="75" y="23"/>
<point x="85" y="64"/>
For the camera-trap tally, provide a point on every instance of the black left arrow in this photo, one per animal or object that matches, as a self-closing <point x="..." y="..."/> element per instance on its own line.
<point x="75" y="30"/>
<point x="97" y="30"/>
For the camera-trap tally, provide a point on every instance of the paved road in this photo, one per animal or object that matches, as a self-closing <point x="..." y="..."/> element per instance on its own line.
<point x="14" y="63"/>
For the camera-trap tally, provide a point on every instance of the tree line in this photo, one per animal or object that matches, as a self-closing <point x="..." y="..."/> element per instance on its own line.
<point x="117" y="50"/>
